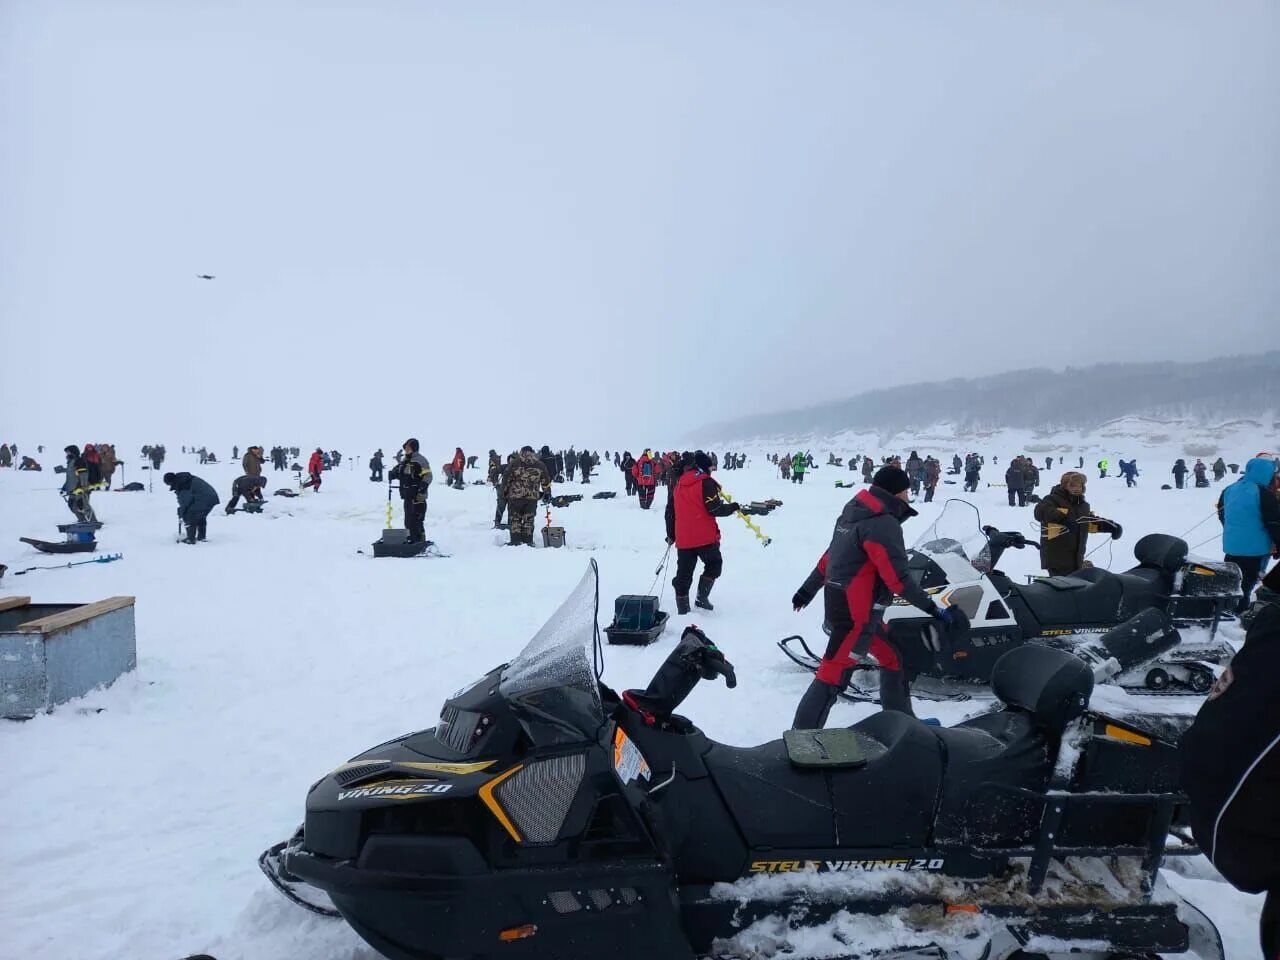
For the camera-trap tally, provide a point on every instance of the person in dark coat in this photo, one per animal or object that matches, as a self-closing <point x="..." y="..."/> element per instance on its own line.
<point x="693" y="504"/>
<point x="549" y="463"/>
<point x="195" y="500"/>
<point x="497" y="473"/>
<point x="626" y="464"/>
<point x="1063" y="532"/>
<point x="972" y="472"/>
<point x="932" y="474"/>
<point x="414" y="475"/>
<point x="1230" y="761"/>
<point x="1200" y="470"/>
<point x="375" y="467"/>
<point x="1180" y="472"/>
<point x="76" y="487"/>
<point x="862" y="569"/>
<point x="585" y="463"/>
<point x="1014" y="482"/>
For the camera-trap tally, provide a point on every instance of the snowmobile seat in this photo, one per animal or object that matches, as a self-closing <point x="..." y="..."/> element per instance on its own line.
<point x="1058" y="601"/>
<point x="1140" y="589"/>
<point x="895" y="794"/>
<point x="774" y="803"/>
<point x="1006" y="748"/>
<point x="1051" y="685"/>
<point x="1161" y="552"/>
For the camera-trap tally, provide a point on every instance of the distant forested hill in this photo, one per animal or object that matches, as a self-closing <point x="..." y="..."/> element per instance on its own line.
<point x="1078" y="398"/>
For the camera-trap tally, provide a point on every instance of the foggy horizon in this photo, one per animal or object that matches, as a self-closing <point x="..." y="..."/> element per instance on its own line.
<point x="581" y="223"/>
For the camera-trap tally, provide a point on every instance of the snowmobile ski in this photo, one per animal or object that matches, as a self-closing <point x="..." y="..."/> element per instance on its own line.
<point x="295" y="889"/>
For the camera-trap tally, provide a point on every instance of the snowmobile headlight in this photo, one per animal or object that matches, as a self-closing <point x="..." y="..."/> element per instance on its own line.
<point x="532" y="800"/>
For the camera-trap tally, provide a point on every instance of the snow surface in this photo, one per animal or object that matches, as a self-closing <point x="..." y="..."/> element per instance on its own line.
<point x="133" y="818"/>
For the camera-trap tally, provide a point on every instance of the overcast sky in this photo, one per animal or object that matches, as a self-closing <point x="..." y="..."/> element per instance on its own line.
<point x="565" y="222"/>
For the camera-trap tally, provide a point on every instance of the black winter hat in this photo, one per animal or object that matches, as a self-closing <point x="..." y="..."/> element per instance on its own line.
<point x="73" y="450"/>
<point x="701" y="460"/>
<point x="891" y="479"/>
<point x="411" y="442"/>
<point x="169" y="478"/>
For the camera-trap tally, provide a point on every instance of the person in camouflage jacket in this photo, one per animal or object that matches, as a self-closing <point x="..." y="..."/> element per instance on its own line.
<point x="524" y="483"/>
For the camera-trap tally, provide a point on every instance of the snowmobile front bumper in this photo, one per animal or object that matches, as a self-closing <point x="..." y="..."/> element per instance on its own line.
<point x="625" y="910"/>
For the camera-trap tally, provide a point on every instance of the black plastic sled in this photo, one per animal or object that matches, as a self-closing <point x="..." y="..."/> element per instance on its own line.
<point x="637" y="621"/>
<point x="545" y="815"/>
<point x="604" y="495"/>
<point x="46" y="546"/>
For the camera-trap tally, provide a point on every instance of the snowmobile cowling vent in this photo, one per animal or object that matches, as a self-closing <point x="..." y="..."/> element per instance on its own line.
<point x="1052" y="685"/>
<point x="359" y="772"/>
<point x="538" y="797"/>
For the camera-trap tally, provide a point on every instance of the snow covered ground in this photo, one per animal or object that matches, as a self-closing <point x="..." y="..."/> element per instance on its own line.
<point x="133" y="818"/>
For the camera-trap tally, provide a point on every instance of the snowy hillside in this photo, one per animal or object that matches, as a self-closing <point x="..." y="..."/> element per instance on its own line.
<point x="1154" y="443"/>
<point x="1081" y="399"/>
<point x="133" y="818"/>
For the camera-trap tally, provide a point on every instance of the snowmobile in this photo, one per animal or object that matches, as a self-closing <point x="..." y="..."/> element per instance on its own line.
<point x="547" y="816"/>
<point x="956" y="559"/>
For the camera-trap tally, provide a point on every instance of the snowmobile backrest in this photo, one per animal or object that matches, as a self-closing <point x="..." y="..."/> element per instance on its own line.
<point x="1162" y="551"/>
<point x="1051" y="685"/>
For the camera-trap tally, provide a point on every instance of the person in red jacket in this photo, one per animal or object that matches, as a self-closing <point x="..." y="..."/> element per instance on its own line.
<point x="645" y="473"/>
<point x="459" y="464"/>
<point x="315" y="466"/>
<point x="862" y="569"/>
<point x="693" y="503"/>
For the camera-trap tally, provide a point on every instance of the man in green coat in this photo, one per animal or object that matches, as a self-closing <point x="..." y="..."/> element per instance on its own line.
<point x="799" y="465"/>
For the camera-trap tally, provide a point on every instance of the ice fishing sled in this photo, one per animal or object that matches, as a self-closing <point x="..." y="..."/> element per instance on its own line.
<point x="637" y="621"/>
<point x="80" y="538"/>
<point x="395" y="543"/>
<point x="545" y="815"/>
<point x="956" y="561"/>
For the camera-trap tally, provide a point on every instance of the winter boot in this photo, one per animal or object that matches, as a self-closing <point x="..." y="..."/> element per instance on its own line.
<point x="682" y="604"/>
<point x="191" y="534"/>
<point x="704" y="593"/>
<point x="516" y="539"/>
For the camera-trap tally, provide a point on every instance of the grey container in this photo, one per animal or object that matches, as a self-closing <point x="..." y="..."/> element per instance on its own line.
<point x="54" y="652"/>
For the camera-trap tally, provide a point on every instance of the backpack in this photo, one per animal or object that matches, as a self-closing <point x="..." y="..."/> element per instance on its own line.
<point x="647" y="469"/>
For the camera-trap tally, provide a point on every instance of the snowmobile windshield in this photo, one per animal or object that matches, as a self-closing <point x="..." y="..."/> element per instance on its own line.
<point x="551" y="686"/>
<point x="956" y="543"/>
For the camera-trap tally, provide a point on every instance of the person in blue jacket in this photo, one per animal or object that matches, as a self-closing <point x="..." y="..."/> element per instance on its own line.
<point x="1250" y="515"/>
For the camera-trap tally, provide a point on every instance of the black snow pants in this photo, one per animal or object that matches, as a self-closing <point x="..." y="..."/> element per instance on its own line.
<point x="687" y="561"/>
<point x="415" y="516"/>
<point x="1250" y="573"/>
<point x="646" y="495"/>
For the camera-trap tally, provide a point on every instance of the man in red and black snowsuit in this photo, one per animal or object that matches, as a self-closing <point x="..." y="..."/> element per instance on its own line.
<point x="315" y="466"/>
<point x="863" y="568"/>
<point x="645" y="473"/>
<point x="693" y="503"/>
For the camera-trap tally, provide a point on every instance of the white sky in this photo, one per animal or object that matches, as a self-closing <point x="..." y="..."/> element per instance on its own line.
<point x="567" y="222"/>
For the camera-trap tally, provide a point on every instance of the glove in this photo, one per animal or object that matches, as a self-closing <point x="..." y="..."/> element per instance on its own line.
<point x="952" y="617"/>
<point x="735" y="507"/>
<point x="546" y="497"/>
<point x="1113" y="528"/>
<point x="800" y="600"/>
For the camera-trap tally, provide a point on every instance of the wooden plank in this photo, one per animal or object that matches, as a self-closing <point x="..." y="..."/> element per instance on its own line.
<point x="11" y="603"/>
<point x="69" y="618"/>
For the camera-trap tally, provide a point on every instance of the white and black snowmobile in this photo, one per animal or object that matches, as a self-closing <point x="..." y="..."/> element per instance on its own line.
<point x="547" y="816"/>
<point x="956" y="560"/>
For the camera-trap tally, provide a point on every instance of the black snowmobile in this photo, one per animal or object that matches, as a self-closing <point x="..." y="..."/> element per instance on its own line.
<point x="956" y="559"/>
<point x="546" y="816"/>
